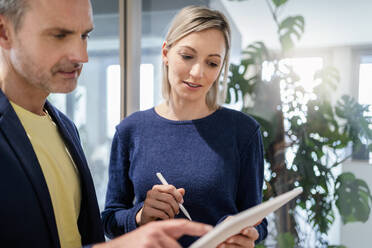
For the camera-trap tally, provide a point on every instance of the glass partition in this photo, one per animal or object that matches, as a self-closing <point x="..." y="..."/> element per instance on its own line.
<point x="95" y="104"/>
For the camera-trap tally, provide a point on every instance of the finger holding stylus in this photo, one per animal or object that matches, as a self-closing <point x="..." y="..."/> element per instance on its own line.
<point x="162" y="202"/>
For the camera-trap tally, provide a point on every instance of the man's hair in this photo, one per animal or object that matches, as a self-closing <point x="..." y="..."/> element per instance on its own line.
<point x="195" y="19"/>
<point x="14" y="11"/>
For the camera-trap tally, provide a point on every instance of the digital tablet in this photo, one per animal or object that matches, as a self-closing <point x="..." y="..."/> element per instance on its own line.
<point x="243" y="219"/>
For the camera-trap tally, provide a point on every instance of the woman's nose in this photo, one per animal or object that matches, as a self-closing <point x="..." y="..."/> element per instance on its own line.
<point x="197" y="71"/>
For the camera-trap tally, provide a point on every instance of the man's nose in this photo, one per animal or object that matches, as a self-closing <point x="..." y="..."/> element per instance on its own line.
<point x="78" y="52"/>
<point x="197" y="71"/>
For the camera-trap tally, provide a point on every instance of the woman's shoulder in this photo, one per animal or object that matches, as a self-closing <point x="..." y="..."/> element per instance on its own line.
<point x="243" y="126"/>
<point x="134" y="120"/>
<point x="239" y="118"/>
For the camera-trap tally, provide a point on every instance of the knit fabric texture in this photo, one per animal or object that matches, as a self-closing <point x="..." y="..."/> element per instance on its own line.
<point x="217" y="159"/>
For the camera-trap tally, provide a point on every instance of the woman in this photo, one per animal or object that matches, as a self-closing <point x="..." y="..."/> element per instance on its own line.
<point x="211" y="156"/>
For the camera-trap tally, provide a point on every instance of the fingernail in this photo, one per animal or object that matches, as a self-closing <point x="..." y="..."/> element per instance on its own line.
<point x="208" y="227"/>
<point x="182" y="201"/>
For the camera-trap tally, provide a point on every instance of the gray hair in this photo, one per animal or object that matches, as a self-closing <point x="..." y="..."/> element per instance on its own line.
<point x="195" y="19"/>
<point x="14" y="11"/>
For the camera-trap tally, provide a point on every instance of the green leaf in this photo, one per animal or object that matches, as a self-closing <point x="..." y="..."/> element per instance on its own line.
<point x="290" y="28"/>
<point x="329" y="78"/>
<point x="357" y="124"/>
<point x="286" y="240"/>
<point x="279" y="2"/>
<point x="260" y="246"/>
<point x="257" y="51"/>
<point x="353" y="198"/>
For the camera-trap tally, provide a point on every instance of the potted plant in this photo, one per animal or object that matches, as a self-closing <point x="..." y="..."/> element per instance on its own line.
<point x="315" y="132"/>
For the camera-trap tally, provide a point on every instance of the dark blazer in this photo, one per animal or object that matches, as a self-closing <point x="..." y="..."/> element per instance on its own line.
<point x="26" y="211"/>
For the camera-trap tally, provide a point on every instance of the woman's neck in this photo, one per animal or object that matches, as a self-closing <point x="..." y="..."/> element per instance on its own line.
<point x="182" y="111"/>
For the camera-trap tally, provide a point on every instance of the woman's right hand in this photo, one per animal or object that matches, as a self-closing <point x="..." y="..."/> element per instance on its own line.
<point x="161" y="203"/>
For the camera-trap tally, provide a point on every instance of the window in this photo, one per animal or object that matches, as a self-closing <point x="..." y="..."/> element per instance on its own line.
<point x="95" y="104"/>
<point x="365" y="82"/>
<point x="365" y="86"/>
<point x="146" y="86"/>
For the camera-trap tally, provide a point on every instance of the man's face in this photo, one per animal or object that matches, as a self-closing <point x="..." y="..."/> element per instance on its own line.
<point x="50" y="47"/>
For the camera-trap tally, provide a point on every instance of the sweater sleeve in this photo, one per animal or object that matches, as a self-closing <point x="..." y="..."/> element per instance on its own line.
<point x="250" y="183"/>
<point x="119" y="215"/>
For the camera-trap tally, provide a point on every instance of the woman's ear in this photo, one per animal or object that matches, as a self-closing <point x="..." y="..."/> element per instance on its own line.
<point x="5" y="26"/>
<point x="164" y="53"/>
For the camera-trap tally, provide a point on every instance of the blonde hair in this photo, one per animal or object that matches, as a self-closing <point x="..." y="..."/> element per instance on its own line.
<point x="195" y="19"/>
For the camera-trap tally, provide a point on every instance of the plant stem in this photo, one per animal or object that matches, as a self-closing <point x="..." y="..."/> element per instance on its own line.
<point x="340" y="162"/>
<point x="273" y="13"/>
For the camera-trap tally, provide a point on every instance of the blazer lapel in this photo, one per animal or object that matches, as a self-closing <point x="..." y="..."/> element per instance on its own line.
<point x="16" y="136"/>
<point x="69" y="136"/>
<point x="89" y="219"/>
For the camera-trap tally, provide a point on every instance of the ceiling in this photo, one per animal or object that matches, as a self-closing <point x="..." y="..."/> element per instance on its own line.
<point x="328" y="22"/>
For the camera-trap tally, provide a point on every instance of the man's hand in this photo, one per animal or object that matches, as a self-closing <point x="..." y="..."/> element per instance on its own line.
<point x="161" y="203"/>
<point x="159" y="234"/>
<point x="245" y="238"/>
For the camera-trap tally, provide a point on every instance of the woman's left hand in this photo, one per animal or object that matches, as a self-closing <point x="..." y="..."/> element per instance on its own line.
<point x="245" y="238"/>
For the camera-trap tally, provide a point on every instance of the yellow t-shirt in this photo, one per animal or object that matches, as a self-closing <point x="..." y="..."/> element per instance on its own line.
<point x="60" y="172"/>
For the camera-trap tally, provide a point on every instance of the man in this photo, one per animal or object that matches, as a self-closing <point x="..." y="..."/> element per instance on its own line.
<point x="47" y="193"/>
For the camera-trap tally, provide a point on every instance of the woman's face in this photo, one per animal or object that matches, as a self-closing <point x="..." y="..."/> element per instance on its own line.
<point x="194" y="63"/>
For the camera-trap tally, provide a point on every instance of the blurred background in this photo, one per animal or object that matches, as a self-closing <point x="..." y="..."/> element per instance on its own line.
<point x="302" y="68"/>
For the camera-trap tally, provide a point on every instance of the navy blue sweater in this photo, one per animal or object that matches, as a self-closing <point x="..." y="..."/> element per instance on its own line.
<point x="218" y="160"/>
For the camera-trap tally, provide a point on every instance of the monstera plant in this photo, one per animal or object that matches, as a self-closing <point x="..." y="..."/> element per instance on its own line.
<point x="305" y="135"/>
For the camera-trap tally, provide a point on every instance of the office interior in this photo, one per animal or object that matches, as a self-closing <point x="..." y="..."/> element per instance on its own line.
<point x="123" y="72"/>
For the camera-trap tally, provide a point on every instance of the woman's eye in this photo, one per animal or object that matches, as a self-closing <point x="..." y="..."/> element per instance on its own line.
<point x="213" y="64"/>
<point x="186" y="57"/>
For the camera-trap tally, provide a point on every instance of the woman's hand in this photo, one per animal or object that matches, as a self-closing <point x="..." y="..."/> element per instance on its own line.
<point x="245" y="238"/>
<point x="161" y="203"/>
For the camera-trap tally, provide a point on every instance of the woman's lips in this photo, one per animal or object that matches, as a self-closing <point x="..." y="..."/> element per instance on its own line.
<point x="192" y="85"/>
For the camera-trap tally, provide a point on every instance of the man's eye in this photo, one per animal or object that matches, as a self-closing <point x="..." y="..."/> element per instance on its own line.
<point x="85" y="36"/>
<point x="60" y="36"/>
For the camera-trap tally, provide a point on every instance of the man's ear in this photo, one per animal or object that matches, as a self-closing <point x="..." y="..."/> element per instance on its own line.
<point x="5" y="34"/>
<point x="164" y="53"/>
